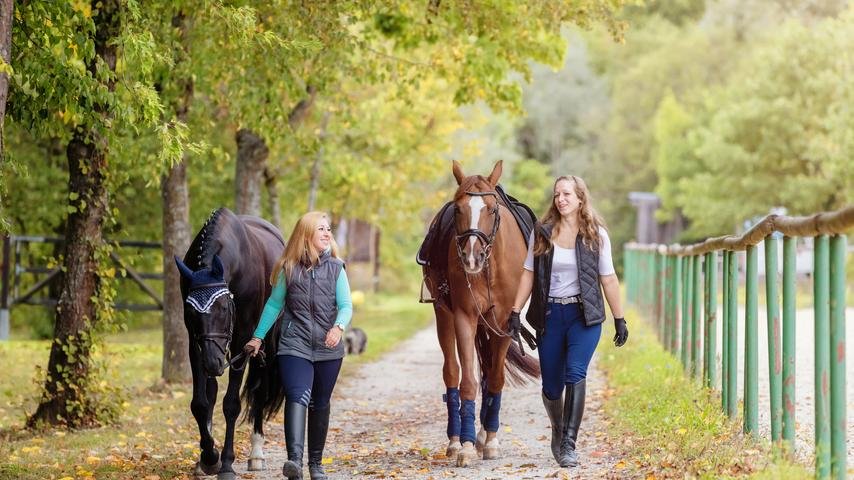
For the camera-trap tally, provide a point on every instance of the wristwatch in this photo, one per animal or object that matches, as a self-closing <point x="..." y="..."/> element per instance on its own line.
<point x="339" y="327"/>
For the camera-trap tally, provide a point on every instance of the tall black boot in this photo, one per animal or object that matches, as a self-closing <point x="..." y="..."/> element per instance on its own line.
<point x="294" y="440"/>
<point x="554" y="408"/>
<point x="318" y="426"/>
<point x="573" y="410"/>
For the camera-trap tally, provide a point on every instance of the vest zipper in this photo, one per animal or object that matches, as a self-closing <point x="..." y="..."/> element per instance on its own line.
<point x="311" y="313"/>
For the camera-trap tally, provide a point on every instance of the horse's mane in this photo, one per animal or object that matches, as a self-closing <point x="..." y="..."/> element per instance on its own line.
<point x="209" y="230"/>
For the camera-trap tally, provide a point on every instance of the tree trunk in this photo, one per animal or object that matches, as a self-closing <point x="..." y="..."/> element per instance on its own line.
<point x="315" y="167"/>
<point x="270" y="180"/>
<point x="175" y="366"/>
<point x="252" y="155"/>
<point x="176" y="241"/>
<point x="6" y="8"/>
<point x="64" y="399"/>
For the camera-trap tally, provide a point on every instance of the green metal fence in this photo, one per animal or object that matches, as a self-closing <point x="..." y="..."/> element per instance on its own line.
<point x="664" y="283"/>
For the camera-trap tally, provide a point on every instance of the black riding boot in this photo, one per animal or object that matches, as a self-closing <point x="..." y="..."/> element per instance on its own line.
<point x="318" y="426"/>
<point x="294" y="440"/>
<point x="554" y="408"/>
<point x="573" y="410"/>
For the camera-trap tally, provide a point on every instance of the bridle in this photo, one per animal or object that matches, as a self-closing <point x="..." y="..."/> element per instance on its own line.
<point x="216" y="337"/>
<point x="487" y="241"/>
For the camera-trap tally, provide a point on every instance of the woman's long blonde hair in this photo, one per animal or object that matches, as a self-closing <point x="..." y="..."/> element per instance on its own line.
<point x="589" y="220"/>
<point x="300" y="249"/>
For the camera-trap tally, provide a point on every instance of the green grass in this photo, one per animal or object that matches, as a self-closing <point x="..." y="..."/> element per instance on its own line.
<point x="156" y="434"/>
<point x="672" y="427"/>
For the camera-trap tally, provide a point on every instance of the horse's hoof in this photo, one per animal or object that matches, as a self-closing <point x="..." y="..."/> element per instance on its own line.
<point x="491" y="450"/>
<point x="481" y="440"/>
<point x="454" y="447"/>
<point x="466" y="455"/>
<point x="203" y="469"/>
<point x="257" y="464"/>
<point x="226" y="476"/>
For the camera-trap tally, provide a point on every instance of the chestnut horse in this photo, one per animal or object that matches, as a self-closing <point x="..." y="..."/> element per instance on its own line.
<point x="485" y="258"/>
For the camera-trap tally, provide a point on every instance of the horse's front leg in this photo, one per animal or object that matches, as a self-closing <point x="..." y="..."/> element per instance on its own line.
<point x="204" y="396"/>
<point x="464" y="326"/>
<point x="451" y="376"/>
<point x="230" y="410"/>
<point x="492" y="388"/>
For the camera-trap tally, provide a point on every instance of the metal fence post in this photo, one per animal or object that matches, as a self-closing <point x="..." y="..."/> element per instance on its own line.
<point x="751" y="343"/>
<point x="710" y="346"/>
<point x="685" y="344"/>
<point x="696" y="366"/>
<point x="838" y="417"/>
<point x="822" y="358"/>
<point x="775" y="366"/>
<point x="789" y="340"/>
<point x="732" y="335"/>
<point x="725" y="333"/>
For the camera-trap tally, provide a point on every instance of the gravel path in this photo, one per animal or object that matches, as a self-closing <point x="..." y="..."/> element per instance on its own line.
<point x="388" y="421"/>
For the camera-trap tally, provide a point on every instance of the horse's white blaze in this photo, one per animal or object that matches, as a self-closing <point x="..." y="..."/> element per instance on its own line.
<point x="476" y="204"/>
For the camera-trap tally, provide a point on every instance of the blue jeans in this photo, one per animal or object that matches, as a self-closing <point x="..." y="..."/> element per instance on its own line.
<point x="566" y="347"/>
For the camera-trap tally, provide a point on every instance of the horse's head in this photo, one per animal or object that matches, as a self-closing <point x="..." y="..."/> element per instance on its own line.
<point x="476" y="217"/>
<point x="209" y="311"/>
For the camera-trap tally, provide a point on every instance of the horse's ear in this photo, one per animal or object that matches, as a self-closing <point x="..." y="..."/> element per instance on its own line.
<point x="496" y="173"/>
<point x="216" y="267"/>
<point x="185" y="270"/>
<point x="458" y="173"/>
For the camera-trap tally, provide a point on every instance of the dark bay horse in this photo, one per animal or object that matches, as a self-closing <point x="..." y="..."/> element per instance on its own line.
<point x="485" y="258"/>
<point x="225" y="283"/>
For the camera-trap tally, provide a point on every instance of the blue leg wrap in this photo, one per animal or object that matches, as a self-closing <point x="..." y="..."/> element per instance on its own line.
<point x="483" y="394"/>
<point x="467" y="433"/>
<point x="492" y="402"/>
<point x="452" y="399"/>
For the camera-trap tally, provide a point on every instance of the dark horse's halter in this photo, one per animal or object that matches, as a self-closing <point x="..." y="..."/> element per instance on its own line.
<point x="487" y="241"/>
<point x="213" y="337"/>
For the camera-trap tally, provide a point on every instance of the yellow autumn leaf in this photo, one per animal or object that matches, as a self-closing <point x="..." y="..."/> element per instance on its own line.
<point x="681" y="431"/>
<point x="326" y="461"/>
<point x="92" y="460"/>
<point x="508" y="429"/>
<point x="620" y="465"/>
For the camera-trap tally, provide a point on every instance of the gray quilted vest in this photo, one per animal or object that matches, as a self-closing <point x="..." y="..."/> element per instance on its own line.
<point x="310" y="311"/>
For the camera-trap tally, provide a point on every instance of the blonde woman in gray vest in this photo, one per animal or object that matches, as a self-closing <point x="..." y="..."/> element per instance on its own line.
<point x="568" y="266"/>
<point x="311" y="290"/>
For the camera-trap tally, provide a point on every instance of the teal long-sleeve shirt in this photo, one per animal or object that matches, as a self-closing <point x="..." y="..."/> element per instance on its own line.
<point x="277" y="299"/>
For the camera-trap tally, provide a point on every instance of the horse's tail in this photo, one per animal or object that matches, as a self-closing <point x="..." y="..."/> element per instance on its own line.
<point x="520" y="369"/>
<point x="264" y="381"/>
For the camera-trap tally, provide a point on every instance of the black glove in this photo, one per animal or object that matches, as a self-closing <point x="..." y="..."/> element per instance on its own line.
<point x="622" y="332"/>
<point x="514" y="324"/>
<point x="514" y="327"/>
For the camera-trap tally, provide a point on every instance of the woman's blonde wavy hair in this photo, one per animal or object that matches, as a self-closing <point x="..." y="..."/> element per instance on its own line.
<point x="300" y="249"/>
<point x="589" y="220"/>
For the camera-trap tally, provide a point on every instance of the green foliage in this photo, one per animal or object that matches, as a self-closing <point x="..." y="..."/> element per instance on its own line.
<point x="776" y="134"/>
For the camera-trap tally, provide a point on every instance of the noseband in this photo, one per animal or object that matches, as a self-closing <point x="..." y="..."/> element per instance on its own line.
<point x="214" y="336"/>
<point x="485" y="240"/>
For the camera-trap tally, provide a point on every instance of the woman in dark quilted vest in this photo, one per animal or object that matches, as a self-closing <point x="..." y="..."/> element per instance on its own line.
<point x="568" y="266"/>
<point x="311" y="290"/>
